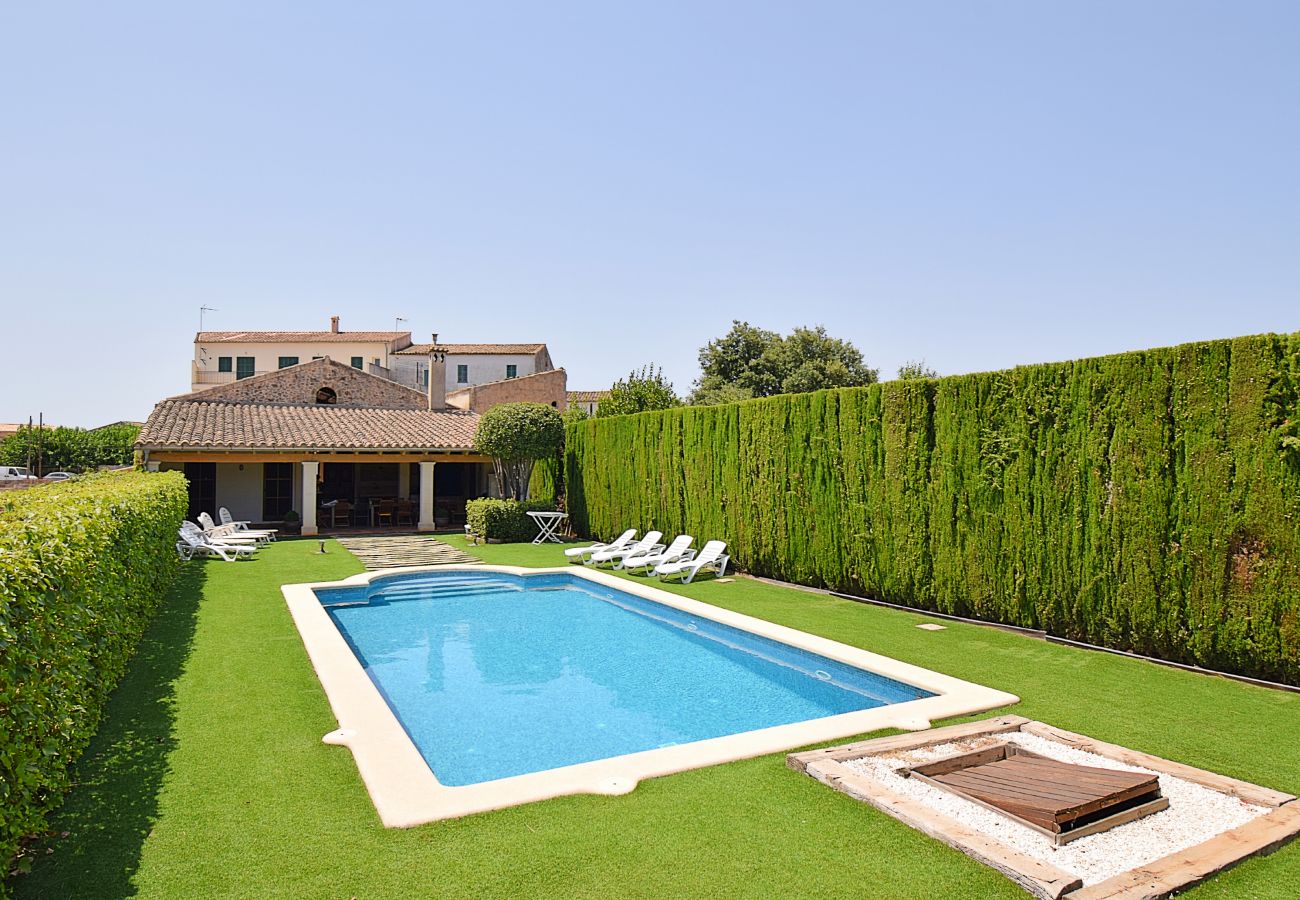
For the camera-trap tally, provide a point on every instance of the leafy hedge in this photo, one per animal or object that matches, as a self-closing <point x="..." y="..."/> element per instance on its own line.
<point x="1148" y="501"/>
<point x="504" y="520"/>
<point x="83" y="566"/>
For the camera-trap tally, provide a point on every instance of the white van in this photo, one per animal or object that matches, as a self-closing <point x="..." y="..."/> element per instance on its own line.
<point x="15" y="473"/>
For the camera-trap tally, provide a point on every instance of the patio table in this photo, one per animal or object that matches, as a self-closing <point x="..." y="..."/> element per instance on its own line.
<point x="547" y="524"/>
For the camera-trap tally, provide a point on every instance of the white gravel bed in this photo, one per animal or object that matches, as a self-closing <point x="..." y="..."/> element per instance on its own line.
<point x="1195" y="813"/>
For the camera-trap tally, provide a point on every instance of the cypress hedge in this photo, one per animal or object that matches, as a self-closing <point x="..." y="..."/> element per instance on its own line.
<point x="83" y="566"/>
<point x="1147" y="501"/>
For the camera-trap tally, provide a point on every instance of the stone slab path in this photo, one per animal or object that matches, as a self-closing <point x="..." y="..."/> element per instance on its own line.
<point x="391" y="551"/>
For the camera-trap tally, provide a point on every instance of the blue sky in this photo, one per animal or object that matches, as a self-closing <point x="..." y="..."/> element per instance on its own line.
<point x="978" y="184"/>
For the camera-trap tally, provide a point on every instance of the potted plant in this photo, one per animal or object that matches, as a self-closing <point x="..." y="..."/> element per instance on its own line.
<point x="291" y="520"/>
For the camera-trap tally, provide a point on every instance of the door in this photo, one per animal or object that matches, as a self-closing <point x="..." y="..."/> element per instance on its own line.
<point x="203" y="489"/>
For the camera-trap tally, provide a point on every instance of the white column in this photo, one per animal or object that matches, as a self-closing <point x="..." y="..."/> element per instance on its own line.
<point x="426" y="497"/>
<point x="152" y="466"/>
<point x="309" y="472"/>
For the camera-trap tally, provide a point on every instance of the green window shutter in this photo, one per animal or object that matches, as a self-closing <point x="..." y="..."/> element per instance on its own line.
<point x="358" y="363"/>
<point x="287" y="361"/>
<point x="512" y="371"/>
<point x="224" y="363"/>
<point x="462" y="374"/>
<point x="244" y="367"/>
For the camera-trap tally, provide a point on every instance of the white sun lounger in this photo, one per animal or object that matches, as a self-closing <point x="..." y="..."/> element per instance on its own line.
<point x="710" y="559"/>
<point x="193" y="543"/>
<point x="678" y="550"/>
<point x="578" y="554"/>
<point x="228" y="533"/>
<point x="648" y="544"/>
<point x="242" y="527"/>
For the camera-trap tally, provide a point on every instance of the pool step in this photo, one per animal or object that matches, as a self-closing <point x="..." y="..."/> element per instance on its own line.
<point x="441" y="591"/>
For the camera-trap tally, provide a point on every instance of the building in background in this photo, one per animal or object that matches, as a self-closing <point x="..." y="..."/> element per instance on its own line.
<point x="586" y="400"/>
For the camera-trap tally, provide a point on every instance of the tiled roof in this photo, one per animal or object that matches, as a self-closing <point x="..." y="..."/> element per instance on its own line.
<point x="587" y="396"/>
<point x="191" y="424"/>
<point x="297" y="337"/>
<point x="463" y="349"/>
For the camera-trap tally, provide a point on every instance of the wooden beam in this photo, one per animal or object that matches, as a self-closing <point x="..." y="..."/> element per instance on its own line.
<point x="1002" y="724"/>
<point x="235" y="456"/>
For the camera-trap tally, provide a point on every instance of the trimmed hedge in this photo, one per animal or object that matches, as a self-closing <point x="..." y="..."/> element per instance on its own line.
<point x="1148" y="501"/>
<point x="83" y="565"/>
<point x="504" y="520"/>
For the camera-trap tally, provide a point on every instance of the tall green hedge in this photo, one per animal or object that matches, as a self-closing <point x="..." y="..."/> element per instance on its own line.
<point x="1148" y="501"/>
<point x="83" y="565"/>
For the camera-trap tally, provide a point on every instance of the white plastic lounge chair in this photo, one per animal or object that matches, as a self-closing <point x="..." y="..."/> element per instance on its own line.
<point x="219" y="535"/>
<point x="579" y="554"/>
<point x="711" y="559"/>
<point x="678" y="550"/>
<point x="227" y="533"/>
<point x="242" y="527"/>
<point x="192" y="544"/>
<point x="648" y="544"/>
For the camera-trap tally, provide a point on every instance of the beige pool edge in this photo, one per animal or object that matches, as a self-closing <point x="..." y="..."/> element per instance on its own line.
<point x="406" y="793"/>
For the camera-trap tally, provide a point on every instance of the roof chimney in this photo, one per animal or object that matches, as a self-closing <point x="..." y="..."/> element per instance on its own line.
<point x="334" y="324"/>
<point x="437" y="386"/>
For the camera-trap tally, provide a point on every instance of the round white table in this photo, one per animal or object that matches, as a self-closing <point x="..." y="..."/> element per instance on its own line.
<point x="547" y="524"/>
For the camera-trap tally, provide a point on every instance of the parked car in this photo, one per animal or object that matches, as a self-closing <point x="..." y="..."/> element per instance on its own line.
<point x="15" y="473"/>
<point x="59" y="476"/>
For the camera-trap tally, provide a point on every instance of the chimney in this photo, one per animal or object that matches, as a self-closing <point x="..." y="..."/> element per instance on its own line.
<point x="437" y="376"/>
<point x="334" y="324"/>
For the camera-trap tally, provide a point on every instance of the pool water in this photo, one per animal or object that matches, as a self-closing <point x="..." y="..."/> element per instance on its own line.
<point x="494" y="675"/>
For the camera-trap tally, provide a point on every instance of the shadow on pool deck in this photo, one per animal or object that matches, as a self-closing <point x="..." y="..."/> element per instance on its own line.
<point x="114" y="804"/>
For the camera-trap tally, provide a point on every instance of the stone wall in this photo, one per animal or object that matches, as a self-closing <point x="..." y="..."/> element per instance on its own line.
<point x="299" y="385"/>
<point x="550" y="388"/>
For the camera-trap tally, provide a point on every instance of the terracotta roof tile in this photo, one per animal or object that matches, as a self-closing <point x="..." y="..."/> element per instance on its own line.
<point x="465" y="349"/>
<point x="189" y="424"/>
<point x="299" y="337"/>
<point x="587" y="396"/>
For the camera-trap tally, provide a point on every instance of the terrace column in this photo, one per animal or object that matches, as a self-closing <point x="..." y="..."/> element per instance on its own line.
<point x="309" y="473"/>
<point x="426" y="497"/>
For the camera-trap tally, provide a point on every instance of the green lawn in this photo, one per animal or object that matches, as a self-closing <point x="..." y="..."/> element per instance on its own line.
<point x="209" y="779"/>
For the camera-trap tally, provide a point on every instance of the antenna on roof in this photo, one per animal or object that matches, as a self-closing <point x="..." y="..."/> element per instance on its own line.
<point x="202" y="310"/>
<point x="397" y="323"/>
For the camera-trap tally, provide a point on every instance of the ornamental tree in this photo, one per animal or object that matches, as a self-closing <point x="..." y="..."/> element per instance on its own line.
<point x="516" y="435"/>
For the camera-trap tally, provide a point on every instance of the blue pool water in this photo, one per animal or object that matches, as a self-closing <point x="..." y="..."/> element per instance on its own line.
<point x="495" y="675"/>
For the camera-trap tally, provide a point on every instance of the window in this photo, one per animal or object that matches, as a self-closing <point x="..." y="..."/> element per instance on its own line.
<point x="244" y="367"/>
<point x="512" y="371"/>
<point x="277" y="491"/>
<point x="358" y="362"/>
<point x="224" y="363"/>
<point x="462" y="374"/>
<point x="203" y="488"/>
<point x="326" y="395"/>
<point x="287" y="361"/>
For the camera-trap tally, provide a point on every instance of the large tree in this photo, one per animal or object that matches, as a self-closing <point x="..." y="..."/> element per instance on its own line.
<point x="754" y="362"/>
<point x="643" y="389"/>
<point x="516" y="435"/>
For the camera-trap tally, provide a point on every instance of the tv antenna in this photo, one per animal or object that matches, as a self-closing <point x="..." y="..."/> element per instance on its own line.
<point x="397" y="323"/>
<point x="202" y="310"/>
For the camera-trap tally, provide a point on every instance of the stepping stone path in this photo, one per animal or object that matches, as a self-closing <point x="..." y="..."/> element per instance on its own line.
<point x="390" y="551"/>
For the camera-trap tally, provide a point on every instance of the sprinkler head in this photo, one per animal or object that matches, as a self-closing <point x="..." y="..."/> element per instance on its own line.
<point x="322" y="547"/>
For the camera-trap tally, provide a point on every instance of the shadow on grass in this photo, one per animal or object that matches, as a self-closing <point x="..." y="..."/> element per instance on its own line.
<point x="97" y="836"/>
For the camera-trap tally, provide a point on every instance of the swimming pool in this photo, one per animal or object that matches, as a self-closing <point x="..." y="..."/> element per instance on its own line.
<point x="470" y="688"/>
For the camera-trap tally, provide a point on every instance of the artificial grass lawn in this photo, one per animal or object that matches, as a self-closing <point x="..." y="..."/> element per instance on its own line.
<point x="208" y="777"/>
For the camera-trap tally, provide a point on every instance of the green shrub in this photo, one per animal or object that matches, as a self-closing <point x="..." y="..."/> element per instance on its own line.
<point x="83" y="565"/>
<point x="1147" y="501"/>
<point x="504" y="520"/>
<point x="516" y="435"/>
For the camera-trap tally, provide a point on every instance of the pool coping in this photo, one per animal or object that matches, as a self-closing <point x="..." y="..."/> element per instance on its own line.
<point x="406" y="793"/>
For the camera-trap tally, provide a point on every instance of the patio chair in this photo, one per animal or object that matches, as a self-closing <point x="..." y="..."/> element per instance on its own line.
<point x="241" y="527"/>
<point x="342" y="513"/>
<point x="385" y="509"/>
<point x="677" y="551"/>
<point x="225" y="533"/>
<point x="648" y="544"/>
<point x="579" y="554"/>
<point x="405" y="511"/>
<point x="192" y="543"/>
<point x="711" y="559"/>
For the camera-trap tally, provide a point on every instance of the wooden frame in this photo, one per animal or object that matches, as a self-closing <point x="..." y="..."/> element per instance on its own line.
<point x="1158" y="878"/>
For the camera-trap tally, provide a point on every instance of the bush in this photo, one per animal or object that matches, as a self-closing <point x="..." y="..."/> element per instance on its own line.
<point x="83" y="566"/>
<point x="516" y="435"/>
<point x="1147" y="501"/>
<point x="504" y="520"/>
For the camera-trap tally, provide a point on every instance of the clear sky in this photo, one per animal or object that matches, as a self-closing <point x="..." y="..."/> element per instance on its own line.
<point x="976" y="183"/>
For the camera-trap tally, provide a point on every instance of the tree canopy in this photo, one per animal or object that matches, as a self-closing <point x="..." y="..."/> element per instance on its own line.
<point x="751" y="362"/>
<point x="70" y="449"/>
<point x="516" y="435"/>
<point x="643" y="389"/>
<point x="913" y="369"/>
